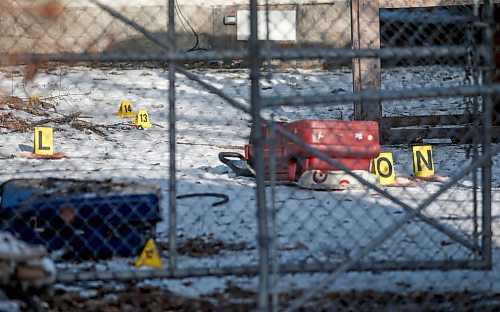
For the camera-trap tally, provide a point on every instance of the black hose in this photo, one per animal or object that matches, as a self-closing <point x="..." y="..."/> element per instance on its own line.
<point x="224" y="197"/>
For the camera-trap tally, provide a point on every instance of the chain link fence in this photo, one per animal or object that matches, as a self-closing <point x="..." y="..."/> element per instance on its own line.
<point x="241" y="155"/>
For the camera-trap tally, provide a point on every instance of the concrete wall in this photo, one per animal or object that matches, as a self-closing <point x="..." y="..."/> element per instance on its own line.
<point x="88" y="28"/>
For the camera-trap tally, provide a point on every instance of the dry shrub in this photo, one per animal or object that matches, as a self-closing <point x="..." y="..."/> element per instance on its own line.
<point x="49" y="9"/>
<point x="30" y="72"/>
<point x="11" y="122"/>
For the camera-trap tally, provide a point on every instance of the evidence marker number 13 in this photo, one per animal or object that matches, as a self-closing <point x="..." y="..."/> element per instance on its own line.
<point x="142" y="119"/>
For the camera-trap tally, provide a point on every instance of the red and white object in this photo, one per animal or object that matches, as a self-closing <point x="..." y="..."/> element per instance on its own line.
<point x="334" y="180"/>
<point x="351" y="143"/>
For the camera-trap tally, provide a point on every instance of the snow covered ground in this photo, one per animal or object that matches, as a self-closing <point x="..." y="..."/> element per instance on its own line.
<point x="312" y="227"/>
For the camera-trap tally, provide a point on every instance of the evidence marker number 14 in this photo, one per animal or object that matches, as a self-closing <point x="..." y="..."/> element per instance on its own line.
<point x="126" y="110"/>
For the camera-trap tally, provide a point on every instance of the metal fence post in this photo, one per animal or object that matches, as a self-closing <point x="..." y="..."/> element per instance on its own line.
<point x="172" y="209"/>
<point x="256" y="137"/>
<point x="273" y="238"/>
<point x="487" y="133"/>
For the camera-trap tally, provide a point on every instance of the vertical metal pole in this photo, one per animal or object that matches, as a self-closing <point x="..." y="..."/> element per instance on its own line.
<point x="172" y="209"/>
<point x="256" y="137"/>
<point x="273" y="245"/>
<point x="474" y="71"/>
<point x="487" y="128"/>
<point x="273" y="249"/>
<point x="268" y="44"/>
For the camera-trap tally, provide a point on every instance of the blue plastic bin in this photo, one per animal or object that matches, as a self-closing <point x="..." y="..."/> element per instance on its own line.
<point x="85" y="219"/>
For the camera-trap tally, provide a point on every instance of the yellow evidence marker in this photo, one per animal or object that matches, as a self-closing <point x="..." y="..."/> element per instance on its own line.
<point x="44" y="144"/>
<point x="142" y="119"/>
<point x="423" y="165"/>
<point x="383" y="167"/>
<point x="126" y="110"/>
<point x="149" y="256"/>
<point x="34" y="99"/>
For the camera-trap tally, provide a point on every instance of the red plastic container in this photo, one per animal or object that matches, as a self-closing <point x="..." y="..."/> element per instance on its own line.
<point x="352" y="143"/>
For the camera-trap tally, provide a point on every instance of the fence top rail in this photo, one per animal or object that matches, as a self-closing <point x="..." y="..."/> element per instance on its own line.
<point x="142" y="3"/>
<point x="394" y="4"/>
<point x="382" y="3"/>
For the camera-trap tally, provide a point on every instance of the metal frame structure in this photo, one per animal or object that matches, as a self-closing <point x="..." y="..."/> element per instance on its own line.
<point x="256" y="55"/>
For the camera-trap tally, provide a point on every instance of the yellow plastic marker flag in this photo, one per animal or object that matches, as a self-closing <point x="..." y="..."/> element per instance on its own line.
<point x="34" y="99"/>
<point x="383" y="167"/>
<point x="423" y="165"/>
<point x="43" y="141"/>
<point x="126" y="110"/>
<point x="142" y="119"/>
<point x="149" y="256"/>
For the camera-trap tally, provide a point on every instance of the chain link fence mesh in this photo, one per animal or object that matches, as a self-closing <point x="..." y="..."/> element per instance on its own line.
<point x="229" y="133"/>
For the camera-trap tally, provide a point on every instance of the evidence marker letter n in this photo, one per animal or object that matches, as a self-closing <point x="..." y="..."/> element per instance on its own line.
<point x="44" y="144"/>
<point x="383" y="167"/>
<point x="423" y="164"/>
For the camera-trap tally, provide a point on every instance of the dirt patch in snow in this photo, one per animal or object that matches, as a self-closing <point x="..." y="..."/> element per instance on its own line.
<point x="200" y="247"/>
<point x="234" y="298"/>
